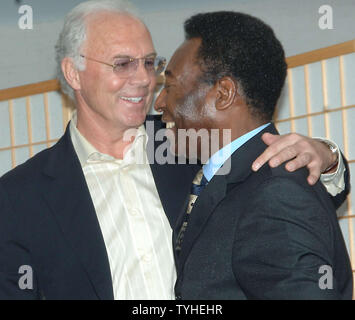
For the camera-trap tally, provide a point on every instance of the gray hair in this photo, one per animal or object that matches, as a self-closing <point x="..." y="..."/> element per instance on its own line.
<point x="73" y="34"/>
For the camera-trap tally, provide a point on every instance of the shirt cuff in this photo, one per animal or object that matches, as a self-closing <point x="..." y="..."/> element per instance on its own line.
<point x="334" y="182"/>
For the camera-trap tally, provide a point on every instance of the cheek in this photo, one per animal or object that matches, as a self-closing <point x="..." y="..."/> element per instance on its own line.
<point x="188" y="109"/>
<point x="102" y="87"/>
<point x="114" y="84"/>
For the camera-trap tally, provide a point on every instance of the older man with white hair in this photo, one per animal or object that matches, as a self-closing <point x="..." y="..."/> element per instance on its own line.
<point x="84" y="217"/>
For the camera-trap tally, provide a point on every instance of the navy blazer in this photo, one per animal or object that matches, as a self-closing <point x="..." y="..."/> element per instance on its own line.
<point x="262" y="235"/>
<point x="48" y="221"/>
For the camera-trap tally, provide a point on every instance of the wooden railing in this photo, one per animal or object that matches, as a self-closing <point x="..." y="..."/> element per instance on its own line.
<point x="321" y="54"/>
<point x="38" y="88"/>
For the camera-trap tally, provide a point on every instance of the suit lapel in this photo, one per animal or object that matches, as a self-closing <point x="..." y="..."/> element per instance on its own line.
<point x="205" y="204"/>
<point x="216" y="191"/>
<point x="68" y="197"/>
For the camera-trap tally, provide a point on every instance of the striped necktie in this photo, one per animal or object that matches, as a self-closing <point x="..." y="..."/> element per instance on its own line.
<point x="198" y="184"/>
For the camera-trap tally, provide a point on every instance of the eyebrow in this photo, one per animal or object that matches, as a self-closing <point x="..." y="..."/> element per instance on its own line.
<point x="127" y="56"/>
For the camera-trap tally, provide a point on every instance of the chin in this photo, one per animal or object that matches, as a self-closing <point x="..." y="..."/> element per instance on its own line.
<point x="135" y="121"/>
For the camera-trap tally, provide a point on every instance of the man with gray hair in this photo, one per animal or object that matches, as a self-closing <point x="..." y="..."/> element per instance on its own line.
<point x="84" y="218"/>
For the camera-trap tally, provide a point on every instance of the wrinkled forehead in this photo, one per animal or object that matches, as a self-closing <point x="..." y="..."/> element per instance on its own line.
<point x="107" y="29"/>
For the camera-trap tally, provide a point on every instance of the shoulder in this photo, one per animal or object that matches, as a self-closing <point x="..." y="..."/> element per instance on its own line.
<point x="276" y="185"/>
<point x="280" y="195"/>
<point x="267" y="180"/>
<point x="284" y="203"/>
<point x="27" y="172"/>
<point x="266" y="173"/>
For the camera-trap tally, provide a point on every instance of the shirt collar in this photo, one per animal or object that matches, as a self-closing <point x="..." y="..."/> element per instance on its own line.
<point x="219" y="158"/>
<point x="88" y="154"/>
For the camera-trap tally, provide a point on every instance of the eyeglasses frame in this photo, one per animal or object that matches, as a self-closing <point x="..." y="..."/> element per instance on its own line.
<point x="129" y="58"/>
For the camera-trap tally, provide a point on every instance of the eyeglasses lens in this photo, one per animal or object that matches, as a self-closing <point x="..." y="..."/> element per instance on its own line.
<point x="125" y="67"/>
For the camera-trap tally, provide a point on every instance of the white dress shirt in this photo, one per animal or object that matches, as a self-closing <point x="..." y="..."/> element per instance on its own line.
<point x="135" y="228"/>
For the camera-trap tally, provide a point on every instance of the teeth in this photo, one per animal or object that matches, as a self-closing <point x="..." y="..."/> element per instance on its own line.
<point x="170" y="124"/>
<point x="135" y="100"/>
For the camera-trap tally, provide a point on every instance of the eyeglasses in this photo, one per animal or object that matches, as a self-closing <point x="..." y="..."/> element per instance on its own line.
<point x="125" y="67"/>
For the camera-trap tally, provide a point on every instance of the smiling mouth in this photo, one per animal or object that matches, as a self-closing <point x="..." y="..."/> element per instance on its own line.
<point x="132" y="99"/>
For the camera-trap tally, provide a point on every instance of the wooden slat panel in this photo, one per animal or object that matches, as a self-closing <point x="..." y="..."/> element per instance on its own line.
<point x="19" y="146"/>
<point x="42" y="87"/>
<point x="308" y="99"/>
<point x="46" y="116"/>
<point x="316" y="114"/>
<point x="29" y="125"/>
<point x="346" y="217"/>
<point x="291" y="98"/>
<point x="321" y="54"/>
<point x="293" y="61"/>
<point x="325" y="99"/>
<point x="346" y="153"/>
<point x="12" y="132"/>
<point x="67" y="109"/>
<point x="29" y="90"/>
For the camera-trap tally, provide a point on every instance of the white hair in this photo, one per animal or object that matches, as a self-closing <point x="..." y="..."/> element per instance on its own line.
<point x="73" y="34"/>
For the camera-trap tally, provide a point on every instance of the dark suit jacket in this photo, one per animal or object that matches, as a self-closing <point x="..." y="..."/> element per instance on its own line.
<point x="262" y="235"/>
<point x="48" y="222"/>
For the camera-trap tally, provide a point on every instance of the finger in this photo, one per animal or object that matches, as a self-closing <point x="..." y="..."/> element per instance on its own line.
<point x="314" y="170"/>
<point x="270" y="138"/>
<point x="276" y="144"/>
<point x="302" y="160"/>
<point x="311" y="179"/>
<point x="261" y="160"/>
<point x="284" y="155"/>
<point x="279" y="143"/>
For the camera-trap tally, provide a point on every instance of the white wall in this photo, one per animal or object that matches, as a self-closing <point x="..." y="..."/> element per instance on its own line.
<point x="27" y="56"/>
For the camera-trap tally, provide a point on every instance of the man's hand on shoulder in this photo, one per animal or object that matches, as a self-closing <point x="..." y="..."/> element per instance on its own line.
<point x="300" y="151"/>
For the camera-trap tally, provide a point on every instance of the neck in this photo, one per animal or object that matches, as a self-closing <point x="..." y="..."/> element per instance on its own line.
<point x="102" y="134"/>
<point x="239" y="131"/>
<point x="234" y="130"/>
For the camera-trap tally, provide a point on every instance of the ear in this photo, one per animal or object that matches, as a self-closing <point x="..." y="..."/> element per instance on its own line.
<point x="71" y="74"/>
<point x="226" y="93"/>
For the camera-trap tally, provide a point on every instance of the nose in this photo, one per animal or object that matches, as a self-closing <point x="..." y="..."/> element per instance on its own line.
<point x="160" y="101"/>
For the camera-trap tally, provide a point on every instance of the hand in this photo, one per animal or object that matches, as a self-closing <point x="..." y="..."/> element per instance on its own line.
<point x="301" y="150"/>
